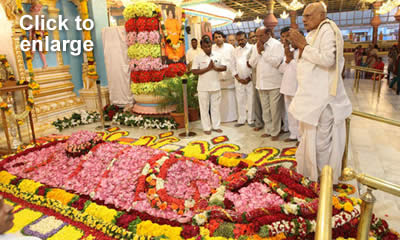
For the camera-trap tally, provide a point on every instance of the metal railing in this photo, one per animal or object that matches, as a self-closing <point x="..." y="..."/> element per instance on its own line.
<point x="324" y="218"/>
<point x="377" y="76"/>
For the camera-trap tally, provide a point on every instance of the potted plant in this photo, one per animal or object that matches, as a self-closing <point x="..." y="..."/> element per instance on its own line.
<point x="173" y="95"/>
<point x="193" y="100"/>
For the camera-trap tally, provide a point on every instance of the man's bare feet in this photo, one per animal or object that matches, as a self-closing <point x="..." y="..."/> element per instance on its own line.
<point x="207" y="132"/>
<point x="218" y="130"/>
<point x="257" y="129"/>
<point x="265" y="135"/>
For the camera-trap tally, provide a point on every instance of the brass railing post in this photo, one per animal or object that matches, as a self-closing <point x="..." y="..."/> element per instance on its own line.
<point x="367" y="206"/>
<point x="324" y="218"/>
<point x="346" y="147"/>
<point x="379" y="85"/>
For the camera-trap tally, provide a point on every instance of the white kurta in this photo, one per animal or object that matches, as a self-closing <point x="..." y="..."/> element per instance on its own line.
<point x="321" y="114"/>
<point x="117" y="65"/>
<point x="244" y="92"/>
<point x="228" y="95"/>
<point x="191" y="54"/>
<point x="209" y="90"/>
<point x="288" y="89"/>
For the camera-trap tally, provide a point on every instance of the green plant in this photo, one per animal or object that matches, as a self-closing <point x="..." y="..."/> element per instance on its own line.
<point x="172" y="93"/>
<point x="193" y="100"/>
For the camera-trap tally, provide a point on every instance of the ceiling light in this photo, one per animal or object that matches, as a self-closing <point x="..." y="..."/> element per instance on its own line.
<point x="239" y="24"/>
<point x="257" y="20"/>
<point x="284" y="15"/>
<point x="295" y="5"/>
<point x="239" y="13"/>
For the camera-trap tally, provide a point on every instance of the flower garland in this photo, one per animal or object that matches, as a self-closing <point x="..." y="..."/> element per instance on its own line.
<point x="92" y="74"/>
<point x="181" y="34"/>
<point x="138" y="51"/>
<point x="133" y="120"/>
<point x="147" y="64"/>
<point x="3" y="61"/>
<point x="141" y="9"/>
<point x="82" y="117"/>
<point x="33" y="88"/>
<point x="81" y="142"/>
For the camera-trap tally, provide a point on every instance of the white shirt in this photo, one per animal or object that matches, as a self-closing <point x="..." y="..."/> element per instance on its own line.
<point x="268" y="75"/>
<point x="239" y="61"/>
<point x="289" y="79"/>
<point x="315" y="77"/>
<point x="191" y="53"/>
<point x="208" y="81"/>
<point x="226" y="76"/>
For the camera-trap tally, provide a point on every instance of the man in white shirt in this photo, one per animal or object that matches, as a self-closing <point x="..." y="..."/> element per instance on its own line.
<point x="289" y="82"/>
<point x="192" y="52"/>
<point x="232" y="40"/>
<point x="242" y="74"/>
<point x="320" y="104"/>
<point x="268" y="56"/>
<point x="228" y="98"/>
<point x="207" y="65"/>
<point x="257" y="108"/>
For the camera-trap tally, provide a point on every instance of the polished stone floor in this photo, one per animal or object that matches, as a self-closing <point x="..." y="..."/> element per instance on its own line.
<point x="374" y="146"/>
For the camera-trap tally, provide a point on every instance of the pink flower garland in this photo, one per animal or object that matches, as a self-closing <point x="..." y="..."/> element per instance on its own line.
<point x="152" y="37"/>
<point x="147" y="64"/>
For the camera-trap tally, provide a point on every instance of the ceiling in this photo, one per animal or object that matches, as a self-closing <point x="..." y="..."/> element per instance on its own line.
<point x="253" y="8"/>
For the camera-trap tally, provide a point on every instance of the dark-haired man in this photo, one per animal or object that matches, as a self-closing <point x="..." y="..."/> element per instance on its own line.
<point x="192" y="52"/>
<point x="228" y="99"/>
<point x="207" y="65"/>
<point x="252" y="37"/>
<point x="242" y="74"/>
<point x="267" y="56"/>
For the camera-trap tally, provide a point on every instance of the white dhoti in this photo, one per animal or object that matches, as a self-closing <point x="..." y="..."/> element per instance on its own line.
<point x="207" y="98"/>
<point x="228" y="101"/>
<point x="321" y="145"/>
<point x="293" y="124"/>
<point x="285" y="121"/>
<point x="244" y="97"/>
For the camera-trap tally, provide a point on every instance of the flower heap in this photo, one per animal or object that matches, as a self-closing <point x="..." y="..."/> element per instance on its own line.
<point x="92" y="74"/>
<point x="82" y="117"/>
<point x="3" y="60"/>
<point x="81" y="142"/>
<point x="144" y="46"/>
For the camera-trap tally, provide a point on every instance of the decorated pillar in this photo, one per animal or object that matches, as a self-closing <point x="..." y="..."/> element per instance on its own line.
<point x="53" y="13"/>
<point x="270" y="20"/>
<point x="375" y="22"/>
<point x="293" y="18"/>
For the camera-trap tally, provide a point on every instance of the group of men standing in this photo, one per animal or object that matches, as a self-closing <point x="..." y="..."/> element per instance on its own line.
<point x="294" y="82"/>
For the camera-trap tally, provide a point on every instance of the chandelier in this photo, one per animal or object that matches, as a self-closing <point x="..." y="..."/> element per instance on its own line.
<point x="284" y="15"/>
<point x="175" y="2"/>
<point x="388" y="6"/>
<point x="257" y="20"/>
<point x="293" y="6"/>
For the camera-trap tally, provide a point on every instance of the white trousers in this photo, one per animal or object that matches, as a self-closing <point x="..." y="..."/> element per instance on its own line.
<point x="272" y="106"/>
<point x="206" y="99"/>
<point x="293" y="124"/>
<point x="244" y="97"/>
<point x="321" y="145"/>
<point x="228" y="105"/>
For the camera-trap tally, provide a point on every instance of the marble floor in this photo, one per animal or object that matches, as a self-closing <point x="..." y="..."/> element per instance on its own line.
<point x="374" y="146"/>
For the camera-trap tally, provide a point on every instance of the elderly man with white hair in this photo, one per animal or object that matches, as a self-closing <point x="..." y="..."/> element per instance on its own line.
<point x="320" y="103"/>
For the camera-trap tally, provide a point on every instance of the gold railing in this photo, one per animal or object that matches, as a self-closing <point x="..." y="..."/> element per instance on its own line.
<point x="377" y="74"/>
<point x="324" y="218"/>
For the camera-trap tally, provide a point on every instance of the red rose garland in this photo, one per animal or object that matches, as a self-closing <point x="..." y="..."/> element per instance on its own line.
<point x="173" y="70"/>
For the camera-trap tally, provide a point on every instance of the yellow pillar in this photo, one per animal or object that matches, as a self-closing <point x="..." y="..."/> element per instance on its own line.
<point x="53" y="13"/>
<point x="375" y="22"/>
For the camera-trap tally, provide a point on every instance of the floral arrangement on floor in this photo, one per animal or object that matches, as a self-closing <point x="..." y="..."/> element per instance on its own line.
<point x="81" y="142"/>
<point x="126" y="192"/>
<point x="82" y="117"/>
<point x="135" y="120"/>
<point x="110" y="110"/>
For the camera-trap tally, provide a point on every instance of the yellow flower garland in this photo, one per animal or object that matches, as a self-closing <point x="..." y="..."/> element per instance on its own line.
<point x="29" y="186"/>
<point x="102" y="212"/>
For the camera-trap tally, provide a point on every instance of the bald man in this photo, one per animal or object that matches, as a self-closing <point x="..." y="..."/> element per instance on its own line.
<point x="232" y="40"/>
<point x="320" y="103"/>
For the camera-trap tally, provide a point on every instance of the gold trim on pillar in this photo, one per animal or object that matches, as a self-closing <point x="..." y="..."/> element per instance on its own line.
<point x="19" y="58"/>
